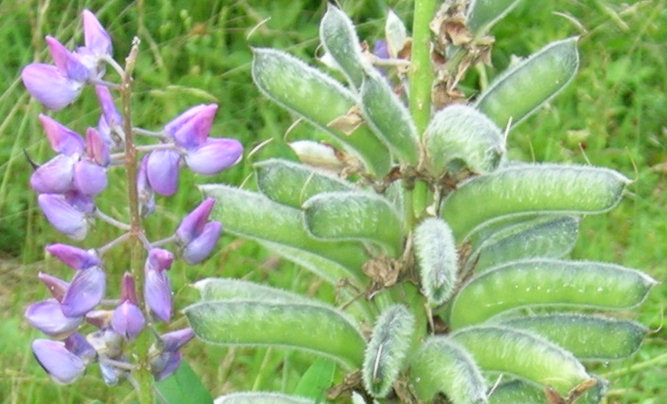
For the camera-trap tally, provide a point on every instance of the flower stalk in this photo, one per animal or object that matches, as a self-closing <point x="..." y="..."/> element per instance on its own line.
<point x="420" y="74"/>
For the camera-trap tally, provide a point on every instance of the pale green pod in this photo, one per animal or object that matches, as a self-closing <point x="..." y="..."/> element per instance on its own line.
<point x="256" y="397"/>
<point x="521" y="392"/>
<point x="483" y="14"/>
<point x="460" y="136"/>
<point x="389" y="118"/>
<point x="319" y="99"/>
<point x="443" y="366"/>
<point x="340" y="41"/>
<point x="252" y="215"/>
<point x="316" y="154"/>
<point x="502" y="349"/>
<point x="386" y="351"/>
<point x="214" y="289"/>
<point x="547" y="282"/>
<point x="437" y="258"/>
<point x="395" y="33"/>
<point x="323" y="330"/>
<point x="589" y="338"/>
<point x="292" y="184"/>
<point x="529" y="84"/>
<point x="354" y="215"/>
<point x="544" y="237"/>
<point x="528" y="189"/>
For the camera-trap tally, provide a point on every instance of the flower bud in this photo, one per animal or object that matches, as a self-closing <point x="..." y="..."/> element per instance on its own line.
<point x="174" y="340"/>
<point x="162" y="171"/>
<point x="89" y="178"/>
<point x="111" y="115"/>
<point x="63" y="216"/>
<point x="74" y="257"/>
<point x="49" y="86"/>
<point x="97" y="148"/>
<point x="201" y="247"/>
<point x="48" y="317"/>
<point x="67" y="62"/>
<point x="85" y="292"/>
<point x="62" y="365"/>
<point x="193" y="224"/>
<point x="55" y="176"/>
<point x="157" y="288"/>
<point x="191" y="128"/>
<point x="128" y="320"/>
<point x="63" y="139"/>
<point x="214" y="155"/>
<point x="95" y="37"/>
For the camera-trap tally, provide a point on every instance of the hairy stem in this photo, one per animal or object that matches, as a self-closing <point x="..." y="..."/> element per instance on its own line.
<point x="420" y="74"/>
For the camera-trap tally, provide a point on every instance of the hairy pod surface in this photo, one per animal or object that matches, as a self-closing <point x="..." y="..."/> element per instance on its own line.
<point x="341" y="42"/>
<point x="483" y="14"/>
<point x="438" y="259"/>
<point x="261" y="398"/>
<point x="214" y="289"/>
<point x="518" y="391"/>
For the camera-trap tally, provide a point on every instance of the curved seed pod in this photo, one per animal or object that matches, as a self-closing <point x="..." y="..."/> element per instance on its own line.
<point x="524" y="354"/>
<point x="483" y="14"/>
<point x="215" y="289"/>
<point x="318" y="155"/>
<point x="587" y="337"/>
<point x="443" y="366"/>
<point x="387" y="349"/>
<point x="312" y="327"/>
<point x="261" y="398"/>
<point x="540" y="282"/>
<point x="252" y="215"/>
<point x="531" y="83"/>
<point x="340" y="41"/>
<point x="544" y="237"/>
<point x="317" y="98"/>
<point x="531" y="188"/>
<point x="460" y="136"/>
<point x="354" y="215"/>
<point x="292" y="183"/>
<point x="389" y="118"/>
<point x="437" y="257"/>
<point x="520" y="392"/>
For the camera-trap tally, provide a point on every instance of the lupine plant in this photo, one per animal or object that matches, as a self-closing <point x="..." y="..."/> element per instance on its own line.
<point x="123" y="335"/>
<point x="449" y="259"/>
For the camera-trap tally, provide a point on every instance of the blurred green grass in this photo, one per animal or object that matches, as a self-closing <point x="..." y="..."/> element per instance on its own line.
<point x="613" y="114"/>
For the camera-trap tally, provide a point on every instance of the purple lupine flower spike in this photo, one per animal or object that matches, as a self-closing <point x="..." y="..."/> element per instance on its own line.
<point x="162" y="171"/>
<point x="191" y="128"/>
<point x="198" y="237"/>
<point x="74" y="257"/>
<point x="97" y="148"/>
<point x="193" y="224"/>
<point x="85" y="292"/>
<point x="128" y="320"/>
<point x="201" y="247"/>
<point x="157" y="288"/>
<point x="63" y="139"/>
<point x="50" y="86"/>
<point x="56" y="286"/>
<point x="89" y="178"/>
<point x="65" y="217"/>
<point x="62" y="365"/>
<point x="67" y="62"/>
<point x="144" y="190"/>
<point x="95" y="37"/>
<point x="47" y="316"/>
<point x="214" y="156"/>
<point x="55" y="176"/>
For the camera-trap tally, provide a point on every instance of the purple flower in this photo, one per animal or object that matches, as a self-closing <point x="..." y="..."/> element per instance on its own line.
<point x="56" y="286"/>
<point x="162" y="171"/>
<point x="97" y="148"/>
<point x="63" y="139"/>
<point x="111" y="118"/>
<point x="95" y="37"/>
<point x="67" y="62"/>
<point x="192" y="225"/>
<point x="214" y="155"/>
<point x="89" y="178"/>
<point x="99" y="318"/>
<point x="47" y="316"/>
<point x="146" y="194"/>
<point x="55" y="176"/>
<point x="128" y="320"/>
<point x="85" y="292"/>
<point x="201" y="247"/>
<point x="79" y="346"/>
<point x="50" y="86"/>
<point x="62" y="365"/>
<point x="157" y="288"/>
<point x="191" y="128"/>
<point x="74" y="257"/>
<point x="174" y="340"/>
<point x="65" y="216"/>
<point x="169" y="359"/>
<point x="198" y="237"/>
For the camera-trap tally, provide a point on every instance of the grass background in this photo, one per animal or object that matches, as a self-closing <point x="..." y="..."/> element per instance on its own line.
<point x="613" y="114"/>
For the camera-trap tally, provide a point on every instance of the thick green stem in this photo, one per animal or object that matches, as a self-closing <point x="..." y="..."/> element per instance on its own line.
<point x="421" y="74"/>
<point x="142" y="375"/>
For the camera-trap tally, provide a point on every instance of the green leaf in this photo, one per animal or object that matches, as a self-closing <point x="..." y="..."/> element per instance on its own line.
<point x="387" y="349"/>
<point x="443" y="366"/>
<point x="261" y="398"/>
<point x="529" y="84"/>
<point x="546" y="282"/>
<point x="354" y="215"/>
<point x="184" y="386"/>
<point x="389" y="118"/>
<point x="340" y="41"/>
<point x="526" y="189"/>
<point x="543" y="237"/>
<point x="312" y="327"/>
<point x="437" y="257"/>
<point x="483" y="14"/>
<point x="292" y="184"/>
<point x="521" y="353"/>
<point x="587" y="337"/>
<point x="319" y="99"/>
<point x="317" y="379"/>
<point x="460" y="136"/>
<point x="252" y="215"/>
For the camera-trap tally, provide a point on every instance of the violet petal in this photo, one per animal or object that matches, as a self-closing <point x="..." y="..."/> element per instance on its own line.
<point x="79" y="346"/>
<point x="95" y="36"/>
<point x="159" y="260"/>
<point x="174" y="340"/>
<point x="191" y="128"/>
<point x="89" y="178"/>
<point x="56" y="286"/>
<point x="63" y="139"/>
<point x="97" y="148"/>
<point x="67" y="62"/>
<point x="214" y="156"/>
<point x="157" y="292"/>
<point x="85" y="292"/>
<point x="200" y="248"/>
<point x="63" y="216"/>
<point x="162" y="171"/>
<point x="193" y="224"/>
<point x="55" y="176"/>
<point x="49" y="86"/>
<point x="74" y="257"/>
<point x="48" y="317"/>
<point x="128" y="320"/>
<point x="62" y="365"/>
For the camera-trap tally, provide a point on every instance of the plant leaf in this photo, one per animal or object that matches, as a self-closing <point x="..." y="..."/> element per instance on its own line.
<point x="443" y="366"/>
<point x="587" y="337"/>
<point x="340" y="41"/>
<point x="312" y="327"/>
<point x="483" y="14"/>
<point x="437" y="257"/>
<point x="317" y="379"/>
<point x="546" y="282"/>
<point x="521" y="353"/>
<point x="459" y="136"/>
<point x="529" y="84"/>
<point x="252" y="215"/>
<point x="317" y="98"/>
<point x="387" y="349"/>
<point x="292" y="184"/>
<point x="525" y="189"/>
<point x="183" y="386"/>
<point x="261" y="398"/>
<point x="354" y="215"/>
